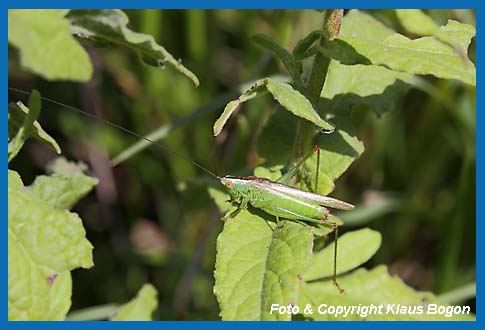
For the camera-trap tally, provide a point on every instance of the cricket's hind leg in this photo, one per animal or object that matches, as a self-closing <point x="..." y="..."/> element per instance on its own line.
<point x="335" y="227"/>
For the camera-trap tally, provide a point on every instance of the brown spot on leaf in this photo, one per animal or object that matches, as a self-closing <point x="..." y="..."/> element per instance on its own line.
<point x="51" y="278"/>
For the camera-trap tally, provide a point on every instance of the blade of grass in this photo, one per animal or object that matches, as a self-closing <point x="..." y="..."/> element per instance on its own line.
<point x="101" y="312"/>
<point x="460" y="294"/>
<point x="162" y="132"/>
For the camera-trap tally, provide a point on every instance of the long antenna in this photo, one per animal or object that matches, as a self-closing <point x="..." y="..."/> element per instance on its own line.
<point x="107" y="122"/>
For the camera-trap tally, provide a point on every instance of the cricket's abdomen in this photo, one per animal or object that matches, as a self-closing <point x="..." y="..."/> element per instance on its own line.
<point x="287" y="206"/>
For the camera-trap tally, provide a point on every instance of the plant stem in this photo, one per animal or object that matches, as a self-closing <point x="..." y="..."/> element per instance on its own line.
<point x="315" y="82"/>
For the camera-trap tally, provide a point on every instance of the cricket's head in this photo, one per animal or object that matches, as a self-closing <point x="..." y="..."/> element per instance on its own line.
<point x="233" y="185"/>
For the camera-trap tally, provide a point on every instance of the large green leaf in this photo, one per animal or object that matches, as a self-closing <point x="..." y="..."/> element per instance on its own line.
<point x="111" y="25"/>
<point x="284" y="94"/>
<point x="296" y="103"/>
<point x="353" y="249"/>
<point x="44" y="244"/>
<point x="46" y="45"/>
<point x="259" y="264"/>
<point x="364" y="40"/>
<point x="139" y="308"/>
<point x="372" y="85"/>
<point x="374" y="287"/>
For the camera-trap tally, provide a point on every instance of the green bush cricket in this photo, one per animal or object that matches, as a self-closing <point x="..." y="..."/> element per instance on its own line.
<point x="275" y="198"/>
<point x="279" y="199"/>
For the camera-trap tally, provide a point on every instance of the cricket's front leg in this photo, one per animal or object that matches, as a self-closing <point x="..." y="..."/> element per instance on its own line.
<point x="235" y="209"/>
<point x="231" y="213"/>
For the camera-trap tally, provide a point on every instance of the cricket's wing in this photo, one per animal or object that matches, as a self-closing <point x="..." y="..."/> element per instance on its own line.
<point x="322" y="200"/>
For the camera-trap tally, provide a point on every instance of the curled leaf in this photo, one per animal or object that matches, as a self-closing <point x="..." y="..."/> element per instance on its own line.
<point x="111" y="25"/>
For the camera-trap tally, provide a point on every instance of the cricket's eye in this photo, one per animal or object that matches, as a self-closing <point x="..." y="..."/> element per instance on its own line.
<point x="229" y="185"/>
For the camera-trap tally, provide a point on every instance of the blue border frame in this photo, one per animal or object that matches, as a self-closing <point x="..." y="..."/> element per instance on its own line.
<point x="221" y="4"/>
<point x="213" y="4"/>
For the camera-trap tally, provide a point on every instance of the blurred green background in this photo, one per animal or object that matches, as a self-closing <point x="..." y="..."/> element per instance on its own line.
<point x="151" y="218"/>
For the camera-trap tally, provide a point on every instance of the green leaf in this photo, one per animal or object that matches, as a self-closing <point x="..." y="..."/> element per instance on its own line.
<point x="285" y="57"/>
<point x="417" y="22"/>
<point x="18" y="117"/>
<point x="256" y="89"/>
<point x="220" y="198"/>
<point x="284" y="94"/>
<point x="111" y="25"/>
<point x="141" y="307"/>
<point x="28" y="289"/>
<point x="46" y="45"/>
<point x="61" y="166"/>
<point x="301" y="50"/>
<point x="374" y="287"/>
<point x="65" y="186"/>
<point x="354" y="249"/>
<point x="296" y="103"/>
<point x="372" y="85"/>
<point x="271" y="173"/>
<point x="366" y="41"/>
<point x="43" y="244"/>
<point x="60" y="297"/>
<point x="258" y="265"/>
